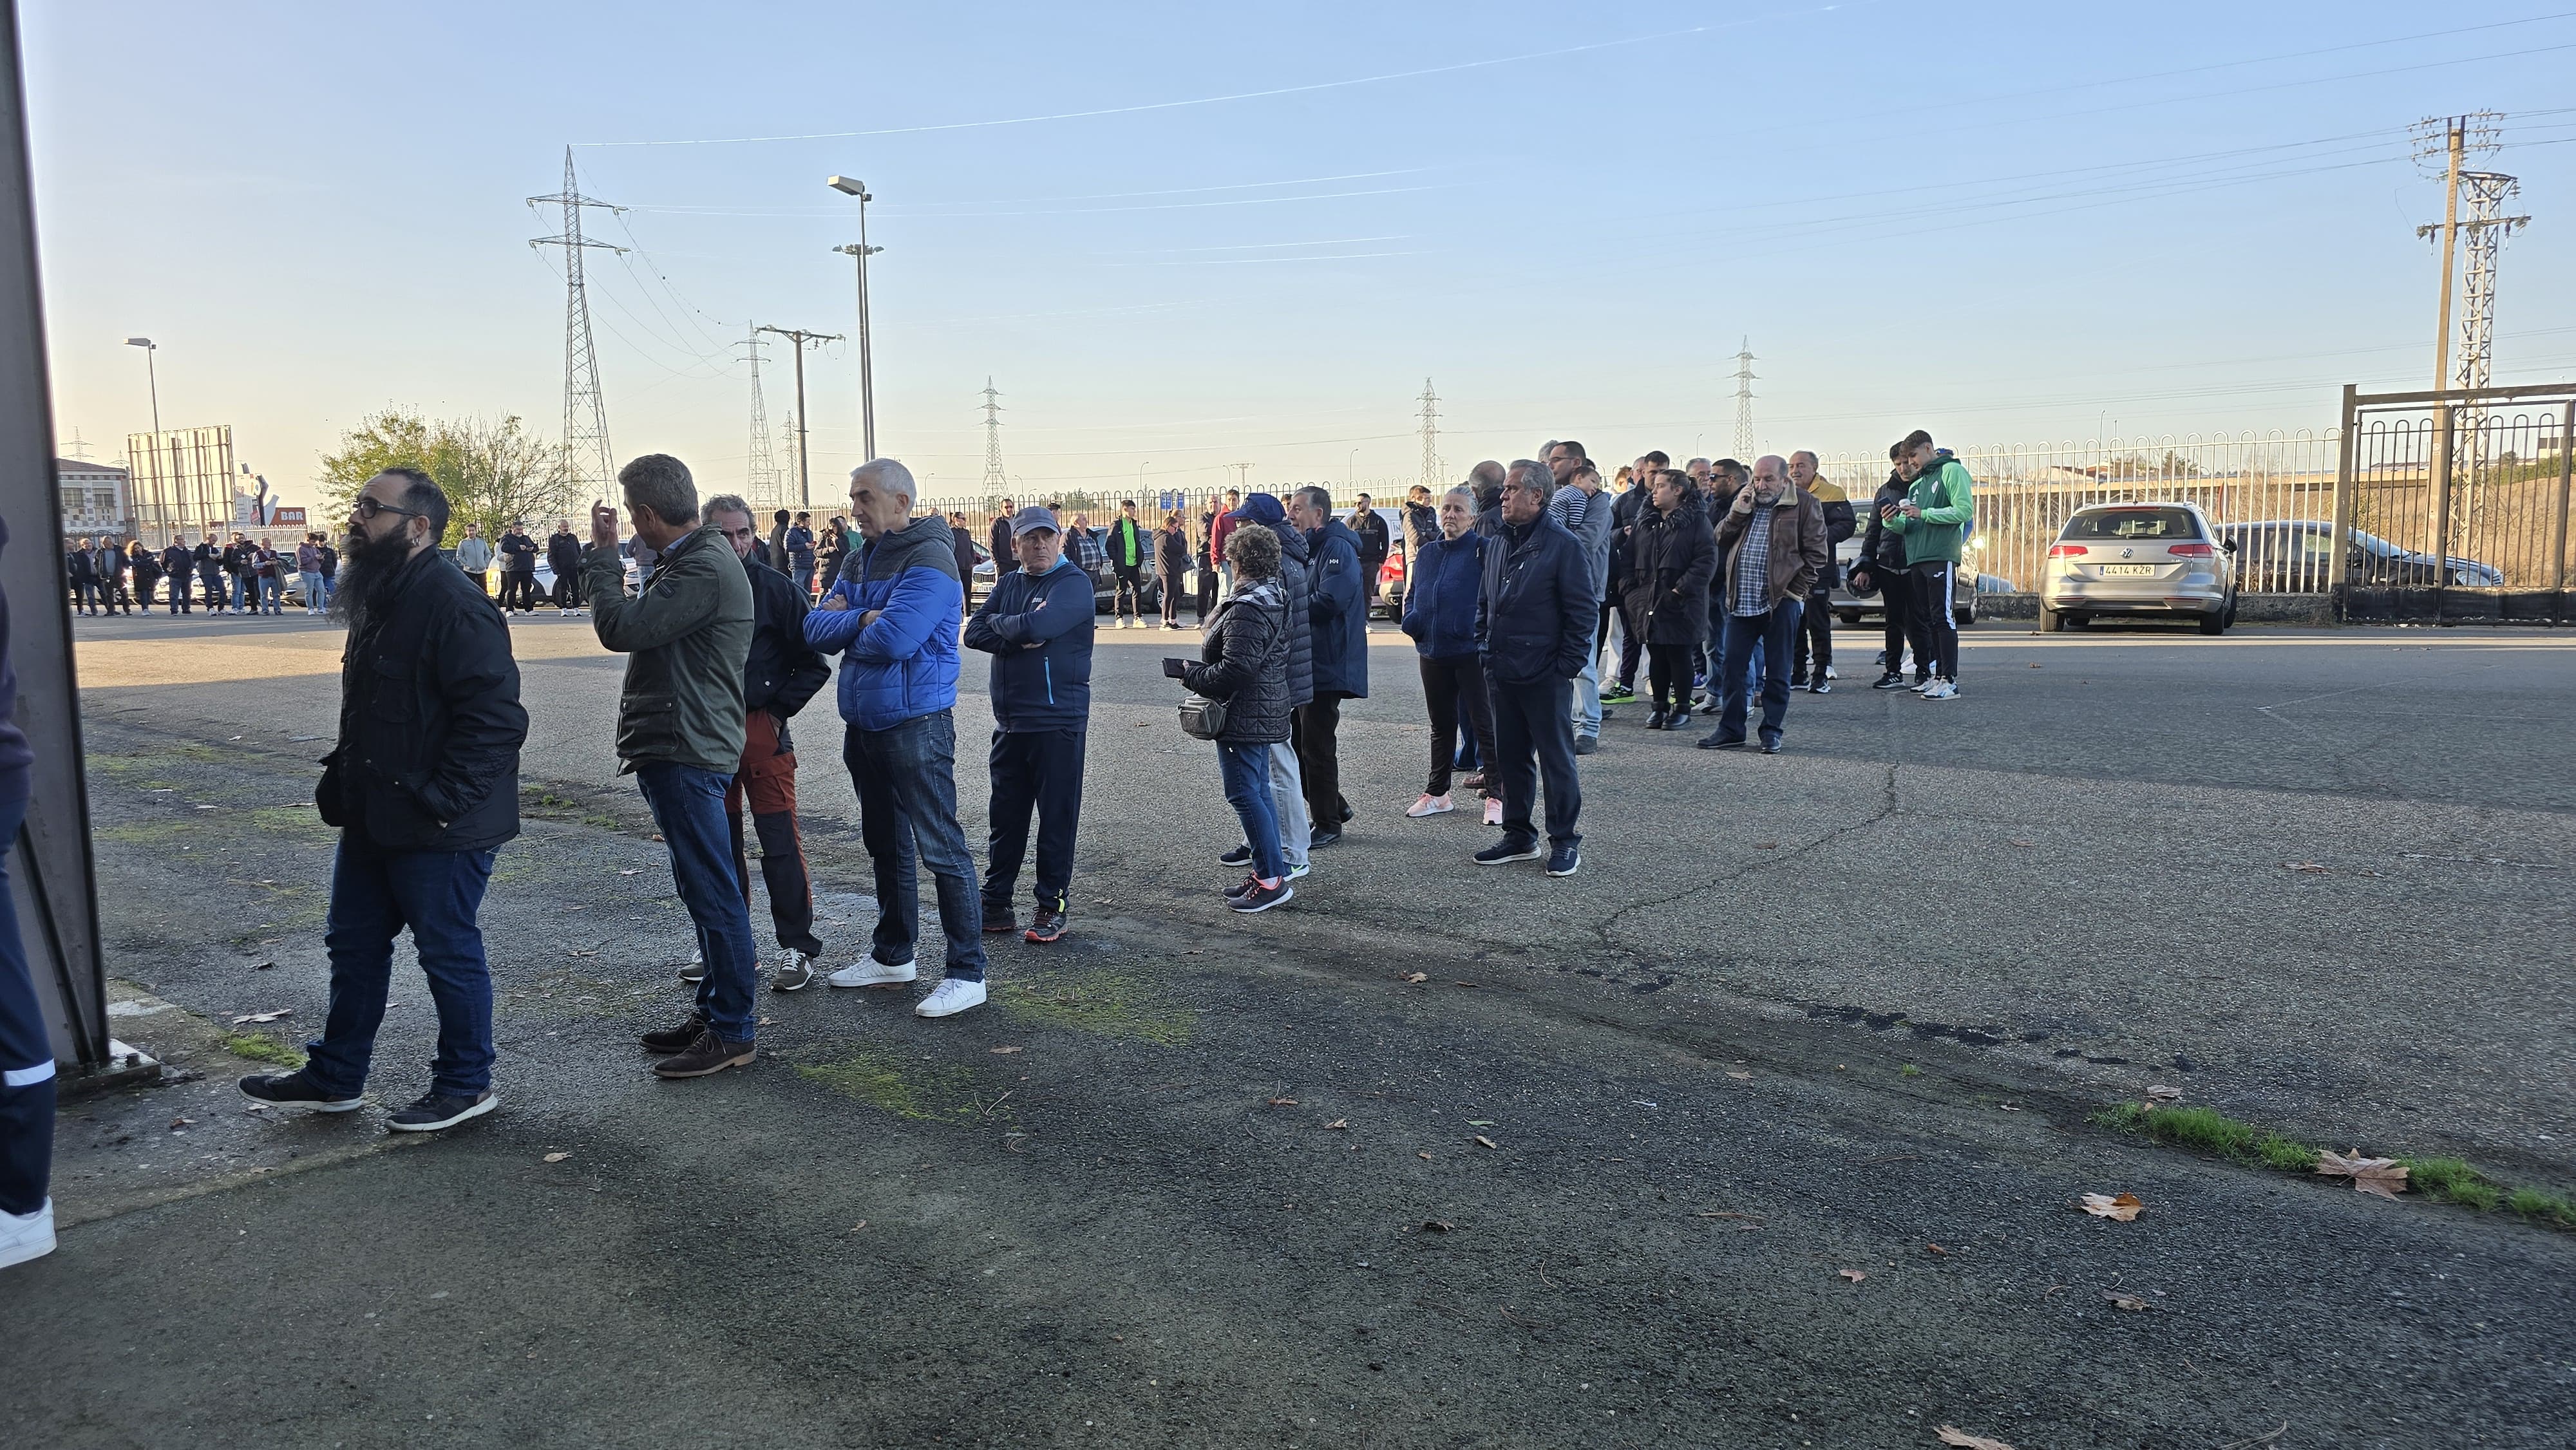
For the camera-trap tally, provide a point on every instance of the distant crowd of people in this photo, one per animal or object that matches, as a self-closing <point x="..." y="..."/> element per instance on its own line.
<point x="242" y="576"/>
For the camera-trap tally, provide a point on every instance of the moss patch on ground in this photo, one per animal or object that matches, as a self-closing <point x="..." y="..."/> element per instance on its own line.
<point x="917" y="1088"/>
<point x="1103" y="1003"/>
<point x="260" y="1047"/>
<point x="2444" y="1180"/>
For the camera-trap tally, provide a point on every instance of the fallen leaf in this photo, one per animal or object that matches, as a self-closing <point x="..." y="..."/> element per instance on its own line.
<point x="2129" y="1302"/>
<point x="1418" y="978"/>
<point x="2310" y="867"/>
<point x="1854" y="1275"/>
<point x="2034" y="664"/>
<point x="2383" y="1176"/>
<point x="177" y="1123"/>
<point x="1488" y="1142"/>
<point x="657" y="835"/>
<point x="2009" y="1107"/>
<point x="1740" y="1076"/>
<point x="557" y="1157"/>
<point x="638" y="871"/>
<point x="1274" y="1102"/>
<point x="1456" y="983"/>
<point x="1425" y="1157"/>
<point x="2102" y="1205"/>
<point x="1953" y="1435"/>
<point x="269" y="1016"/>
<point x="1005" y="1050"/>
<point x="862" y="1223"/>
<point x="765" y="1022"/>
<point x="2159" y="1093"/>
<point x="1436" y="1225"/>
<point x="1480" y="1122"/>
<point x="1935" y="1249"/>
<point x="1339" y="1123"/>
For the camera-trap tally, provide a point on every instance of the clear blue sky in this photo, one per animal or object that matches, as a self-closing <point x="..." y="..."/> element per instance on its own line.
<point x="2000" y="222"/>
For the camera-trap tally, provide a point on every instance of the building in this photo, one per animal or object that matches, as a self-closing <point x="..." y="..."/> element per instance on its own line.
<point x="96" y="499"/>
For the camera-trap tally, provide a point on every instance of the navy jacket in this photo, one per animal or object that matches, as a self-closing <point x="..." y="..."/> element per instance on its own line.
<point x="1294" y="586"/>
<point x="1537" y="610"/>
<point x="1038" y="630"/>
<point x="1337" y="611"/>
<point x="782" y="671"/>
<point x="1440" y="599"/>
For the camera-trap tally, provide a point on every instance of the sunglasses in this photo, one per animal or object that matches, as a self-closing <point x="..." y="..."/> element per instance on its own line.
<point x="369" y="508"/>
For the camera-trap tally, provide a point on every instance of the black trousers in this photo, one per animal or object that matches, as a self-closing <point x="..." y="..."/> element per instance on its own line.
<point x="1936" y="629"/>
<point x="1534" y="738"/>
<point x="1896" y="595"/>
<point x="1129" y="595"/>
<point x="1815" y="635"/>
<point x="1632" y="641"/>
<point x="1037" y="770"/>
<point x="1668" y="673"/>
<point x="1313" y="729"/>
<point x="567" y="589"/>
<point x="1449" y="686"/>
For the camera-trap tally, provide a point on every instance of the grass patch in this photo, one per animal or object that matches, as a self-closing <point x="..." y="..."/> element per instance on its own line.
<point x="2444" y="1180"/>
<point x="1909" y="1070"/>
<point x="260" y="1047"/>
<point x="1106" y="1004"/>
<point x="939" y="1093"/>
<point x="146" y="833"/>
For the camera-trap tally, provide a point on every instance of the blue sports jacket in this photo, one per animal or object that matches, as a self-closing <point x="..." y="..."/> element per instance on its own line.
<point x="903" y="665"/>
<point x="1038" y="629"/>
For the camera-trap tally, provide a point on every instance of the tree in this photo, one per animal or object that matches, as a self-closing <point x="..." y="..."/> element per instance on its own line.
<point x="493" y="472"/>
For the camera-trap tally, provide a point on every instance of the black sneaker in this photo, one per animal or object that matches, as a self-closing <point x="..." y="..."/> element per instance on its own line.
<point x="706" y="1056"/>
<point x="296" y="1089"/>
<point x="1046" y="926"/>
<point x="1770" y="744"/>
<point x="1262" y="898"/>
<point x="1657" y="720"/>
<point x="442" y="1110"/>
<point x="1679" y="720"/>
<point x="674" y="1039"/>
<point x="696" y="971"/>
<point x="1239" y="856"/>
<point x="1587" y="745"/>
<point x="1820" y="686"/>
<point x="1720" y="742"/>
<point x="999" y="919"/>
<point x="1889" y="681"/>
<point x="1242" y="886"/>
<point x="1798" y="681"/>
<point x="1564" y="860"/>
<point x="1318" y="840"/>
<point x="1508" y="849"/>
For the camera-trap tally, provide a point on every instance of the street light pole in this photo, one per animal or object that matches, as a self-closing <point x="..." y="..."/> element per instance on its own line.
<point x="852" y="186"/>
<point x="152" y="375"/>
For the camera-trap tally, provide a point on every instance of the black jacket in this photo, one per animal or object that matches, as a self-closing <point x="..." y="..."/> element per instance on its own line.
<point x="782" y="672"/>
<point x="998" y="539"/>
<point x="1535" y="618"/>
<point x="1244" y="662"/>
<point x="1295" y="582"/>
<point x="1882" y="548"/>
<point x="1670" y="562"/>
<point x="1840" y="524"/>
<point x="430" y="722"/>
<point x="518" y="553"/>
<point x="1172" y="557"/>
<point x="1372" y="532"/>
<point x="81" y="565"/>
<point x="563" y="554"/>
<point x="1624" y="515"/>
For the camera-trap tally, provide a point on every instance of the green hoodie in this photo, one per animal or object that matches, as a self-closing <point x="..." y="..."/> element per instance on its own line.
<point x="1948" y="500"/>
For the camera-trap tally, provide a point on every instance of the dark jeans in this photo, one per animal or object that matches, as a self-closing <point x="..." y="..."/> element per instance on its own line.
<point x="1168" y="594"/>
<point x="1037" y="770"/>
<point x="1632" y="643"/>
<point x="1128" y="595"/>
<point x="688" y="805"/>
<point x="1317" y="725"/>
<point x="567" y="588"/>
<point x="1768" y="633"/>
<point x="85" y="596"/>
<point x="374" y="895"/>
<point x="1449" y="686"/>
<point x="26" y="1054"/>
<point x="1668" y="676"/>
<point x="143" y="590"/>
<point x="906" y="779"/>
<point x="180" y="602"/>
<point x="1936" y="629"/>
<point x="805" y="579"/>
<point x="1896" y="599"/>
<point x="1815" y="643"/>
<point x="1247" y="789"/>
<point x="1534" y="736"/>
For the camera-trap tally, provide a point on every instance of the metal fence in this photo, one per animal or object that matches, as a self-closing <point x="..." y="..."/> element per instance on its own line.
<point x="2473" y="483"/>
<point x="1099" y="506"/>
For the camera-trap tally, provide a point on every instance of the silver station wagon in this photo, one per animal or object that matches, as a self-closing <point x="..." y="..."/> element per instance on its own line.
<point x="2139" y="560"/>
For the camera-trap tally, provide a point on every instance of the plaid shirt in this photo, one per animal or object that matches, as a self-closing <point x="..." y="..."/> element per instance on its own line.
<point x="1753" y="563"/>
<point x="1088" y="552"/>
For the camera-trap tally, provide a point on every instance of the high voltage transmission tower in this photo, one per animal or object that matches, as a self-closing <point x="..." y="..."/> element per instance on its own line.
<point x="2453" y="140"/>
<point x="1744" y="403"/>
<point x="996" y="482"/>
<point x="1430" y="416"/>
<point x="588" y="463"/>
<point x="791" y="446"/>
<point x="763" y="482"/>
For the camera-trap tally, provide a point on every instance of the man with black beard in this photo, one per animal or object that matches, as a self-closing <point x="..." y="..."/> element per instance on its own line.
<point x="423" y="786"/>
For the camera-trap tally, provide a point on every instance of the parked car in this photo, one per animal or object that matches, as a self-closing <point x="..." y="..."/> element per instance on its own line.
<point x="1852" y="608"/>
<point x="2139" y="560"/>
<point x="2295" y="556"/>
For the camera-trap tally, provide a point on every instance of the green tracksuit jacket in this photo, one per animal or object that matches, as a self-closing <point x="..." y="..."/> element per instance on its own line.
<point x="1949" y="503"/>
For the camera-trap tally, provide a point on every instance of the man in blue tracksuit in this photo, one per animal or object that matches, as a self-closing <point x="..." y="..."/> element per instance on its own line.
<point x="1037" y="625"/>
<point x="26" y="1047"/>
<point x="892" y="617"/>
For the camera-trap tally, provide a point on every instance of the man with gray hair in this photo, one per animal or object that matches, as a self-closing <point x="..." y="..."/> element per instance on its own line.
<point x="680" y="731"/>
<point x="893" y="617"/>
<point x="1535" y="616"/>
<point x="1773" y="540"/>
<point x="1586" y="513"/>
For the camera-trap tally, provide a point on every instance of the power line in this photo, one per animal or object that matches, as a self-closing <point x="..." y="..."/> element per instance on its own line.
<point x="996" y="482"/>
<point x="1430" y="415"/>
<point x="1744" y="403"/>
<point x="588" y="461"/>
<point x="763" y="471"/>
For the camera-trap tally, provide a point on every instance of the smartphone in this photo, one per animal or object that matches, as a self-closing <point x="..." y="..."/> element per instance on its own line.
<point x="1175" y="668"/>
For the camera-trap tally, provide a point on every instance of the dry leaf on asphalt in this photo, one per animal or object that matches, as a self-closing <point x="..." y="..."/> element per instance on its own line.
<point x="1283" y="1102"/>
<point x="269" y="1016"/>
<point x="1488" y="1142"/>
<point x="1935" y="1249"/>
<point x="557" y="1157"/>
<point x="1005" y="1050"/>
<point x="1339" y="1123"/>
<point x="2383" y="1176"/>
<point x="1417" y="978"/>
<point x="862" y="1223"/>
<point x="2125" y="1301"/>
<point x="2102" y="1205"/>
<point x="1953" y="1435"/>
<point x="1854" y="1275"/>
<point x="1425" y="1157"/>
<point x="1437" y="1225"/>
<point x="2159" y="1093"/>
<point x="1739" y="1076"/>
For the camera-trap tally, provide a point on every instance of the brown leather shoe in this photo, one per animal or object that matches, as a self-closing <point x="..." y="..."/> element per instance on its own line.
<point x="662" y="1042"/>
<point x="709" y="1054"/>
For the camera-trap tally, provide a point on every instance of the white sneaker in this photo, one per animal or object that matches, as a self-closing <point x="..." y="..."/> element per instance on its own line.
<point x="867" y="971"/>
<point x="1941" y="690"/>
<point x="25" y="1236"/>
<point x="1299" y="871"/>
<point x="952" y="996"/>
<point x="1919" y="686"/>
<point x="1430" y="805"/>
<point x="1829" y="673"/>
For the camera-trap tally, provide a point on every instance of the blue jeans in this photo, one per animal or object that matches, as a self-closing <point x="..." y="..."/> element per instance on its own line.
<point x="374" y="895"/>
<point x="26" y="1054"/>
<point x="317" y="593"/>
<point x="1769" y="634"/>
<point x="271" y="593"/>
<point x="906" y="779"/>
<point x="245" y="593"/>
<point x="1247" y="789"/>
<point x="689" y="805"/>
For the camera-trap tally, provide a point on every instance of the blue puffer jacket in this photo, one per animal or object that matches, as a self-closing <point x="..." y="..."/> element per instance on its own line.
<point x="1440" y="604"/>
<point x="905" y="664"/>
<point x="1337" y="611"/>
<point x="1038" y="629"/>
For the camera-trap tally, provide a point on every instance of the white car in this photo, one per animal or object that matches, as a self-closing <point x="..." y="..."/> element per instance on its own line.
<point x="2139" y="560"/>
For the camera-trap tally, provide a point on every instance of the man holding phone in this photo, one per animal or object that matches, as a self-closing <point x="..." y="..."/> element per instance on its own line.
<point x="1933" y="519"/>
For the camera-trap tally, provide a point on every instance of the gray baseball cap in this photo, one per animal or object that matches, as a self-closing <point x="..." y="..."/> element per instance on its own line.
<point x="1035" y="517"/>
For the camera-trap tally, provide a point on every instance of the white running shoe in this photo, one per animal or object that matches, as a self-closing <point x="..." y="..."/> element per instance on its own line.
<point x="1941" y="690"/>
<point x="867" y="971"/>
<point x="1829" y="673"/>
<point x="1921" y="685"/>
<point x="1299" y="871"/>
<point x="25" y="1236"/>
<point x="1429" y="805"/>
<point x="952" y="996"/>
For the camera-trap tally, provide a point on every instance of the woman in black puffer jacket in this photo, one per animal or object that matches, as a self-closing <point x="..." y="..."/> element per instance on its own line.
<point x="1674" y="556"/>
<point x="1244" y="662"/>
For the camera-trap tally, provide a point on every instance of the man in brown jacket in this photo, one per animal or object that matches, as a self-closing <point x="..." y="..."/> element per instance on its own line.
<point x="1773" y="538"/>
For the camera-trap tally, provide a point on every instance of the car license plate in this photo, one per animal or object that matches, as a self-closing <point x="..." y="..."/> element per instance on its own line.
<point x="2127" y="571"/>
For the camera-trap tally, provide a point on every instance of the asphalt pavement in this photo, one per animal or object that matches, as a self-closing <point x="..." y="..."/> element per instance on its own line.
<point x="1765" y="1129"/>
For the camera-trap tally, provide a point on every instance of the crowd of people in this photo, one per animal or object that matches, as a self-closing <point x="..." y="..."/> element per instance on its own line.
<point x="241" y="576"/>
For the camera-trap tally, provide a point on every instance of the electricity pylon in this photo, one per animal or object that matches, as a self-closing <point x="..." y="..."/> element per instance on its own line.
<point x="588" y="463"/>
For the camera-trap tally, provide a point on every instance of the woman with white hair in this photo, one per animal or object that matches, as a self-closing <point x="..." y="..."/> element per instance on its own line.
<point x="1440" y="614"/>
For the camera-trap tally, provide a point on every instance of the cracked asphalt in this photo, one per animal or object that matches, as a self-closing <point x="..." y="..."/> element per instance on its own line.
<point x="1602" y="1178"/>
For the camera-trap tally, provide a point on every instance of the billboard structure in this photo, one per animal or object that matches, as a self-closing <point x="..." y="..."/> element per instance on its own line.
<point x="183" y="482"/>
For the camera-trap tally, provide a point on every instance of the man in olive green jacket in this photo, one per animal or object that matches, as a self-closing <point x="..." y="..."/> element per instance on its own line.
<point x="680" y="731"/>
